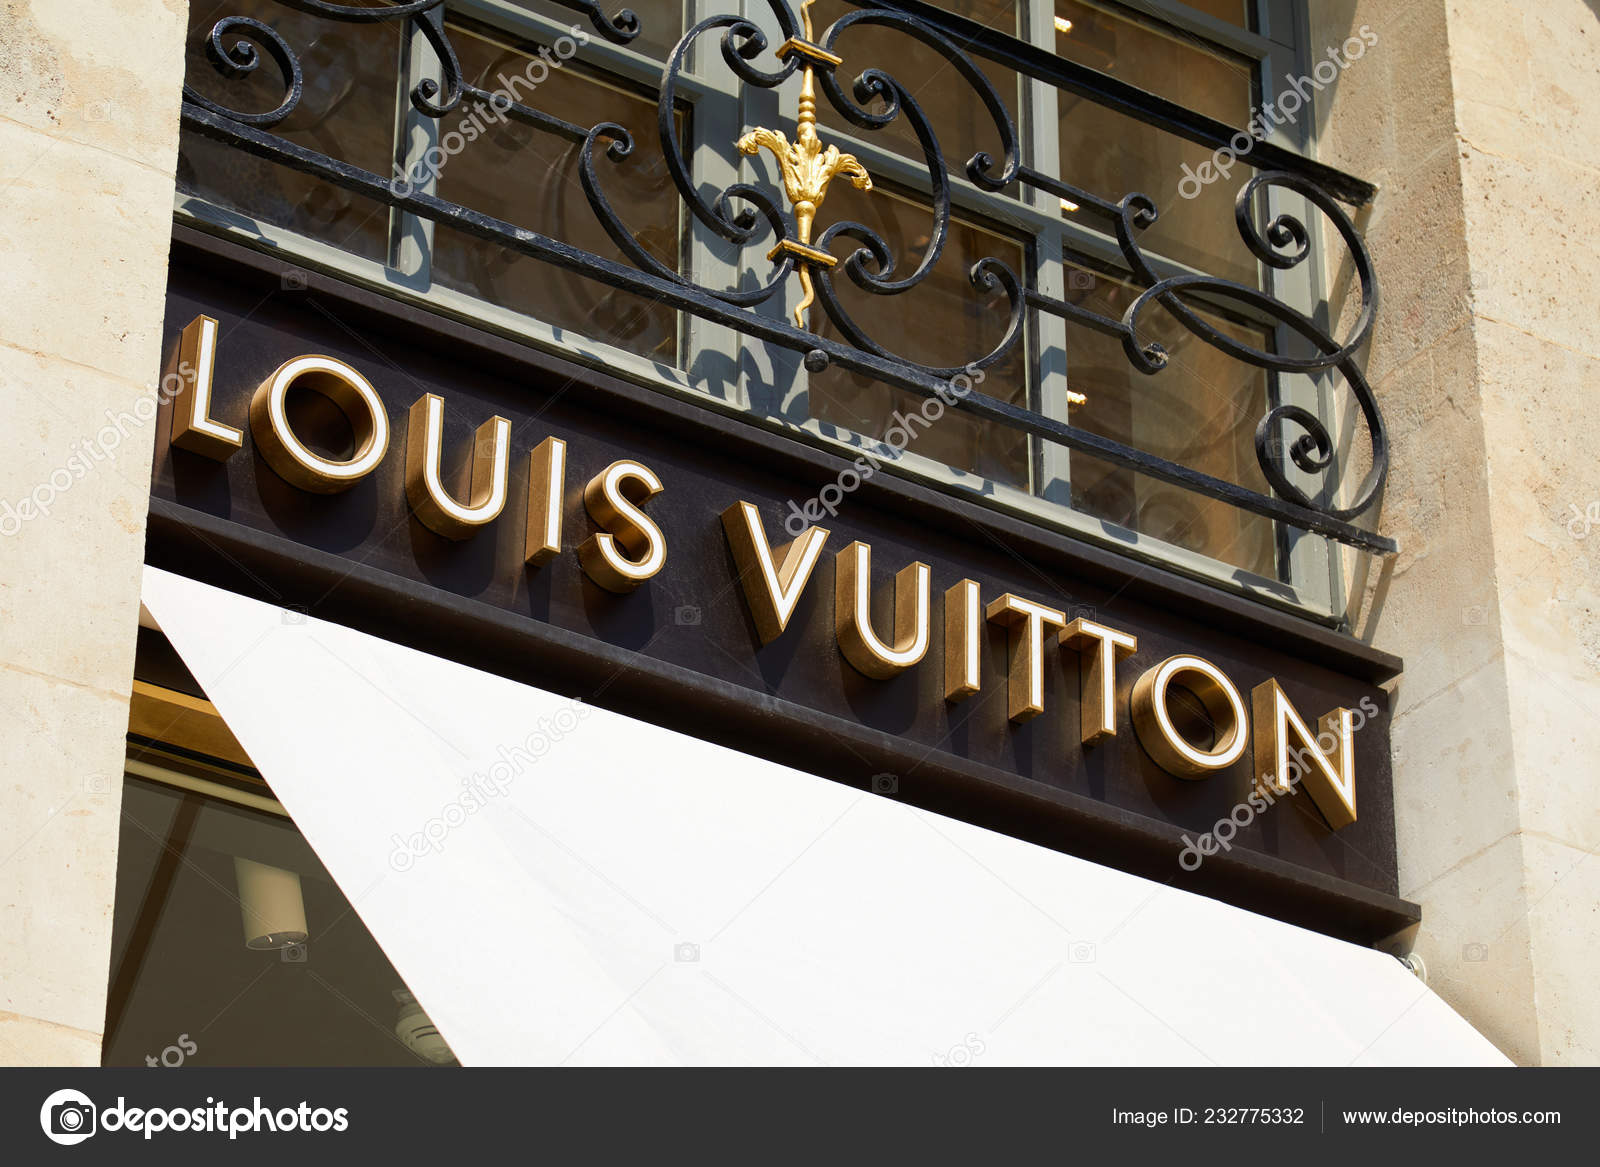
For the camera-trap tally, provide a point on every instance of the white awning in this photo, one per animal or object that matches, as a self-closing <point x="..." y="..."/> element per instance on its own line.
<point x="561" y="884"/>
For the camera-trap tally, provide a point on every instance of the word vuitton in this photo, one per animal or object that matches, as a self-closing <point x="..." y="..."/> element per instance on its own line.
<point x="628" y="547"/>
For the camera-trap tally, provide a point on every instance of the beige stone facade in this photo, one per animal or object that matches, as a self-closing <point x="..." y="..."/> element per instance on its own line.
<point x="88" y="149"/>
<point x="1476" y="121"/>
<point x="1475" y="117"/>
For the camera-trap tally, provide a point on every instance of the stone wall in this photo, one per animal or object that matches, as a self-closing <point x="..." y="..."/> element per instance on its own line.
<point x="89" y="98"/>
<point x="1476" y="119"/>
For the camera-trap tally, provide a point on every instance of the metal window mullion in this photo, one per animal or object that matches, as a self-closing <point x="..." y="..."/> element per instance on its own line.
<point x="713" y="353"/>
<point x="411" y="236"/>
<point x="1052" y="462"/>
<point x="1312" y="563"/>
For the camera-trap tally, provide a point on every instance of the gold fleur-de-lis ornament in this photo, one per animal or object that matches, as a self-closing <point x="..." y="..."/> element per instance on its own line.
<point x="806" y="167"/>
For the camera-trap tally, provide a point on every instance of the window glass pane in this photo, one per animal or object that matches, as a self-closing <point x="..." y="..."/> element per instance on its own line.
<point x="1201" y="411"/>
<point x="530" y="177"/>
<point x="198" y="877"/>
<point x="660" y="21"/>
<point x="953" y="108"/>
<point x="1233" y="11"/>
<point x="943" y="322"/>
<point x="1111" y="154"/>
<point x="347" y="112"/>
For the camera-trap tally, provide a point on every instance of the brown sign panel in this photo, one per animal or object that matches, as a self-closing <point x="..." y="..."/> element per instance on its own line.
<point x="469" y="495"/>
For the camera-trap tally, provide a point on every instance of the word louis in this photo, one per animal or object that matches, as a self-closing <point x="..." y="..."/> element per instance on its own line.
<point x="629" y="548"/>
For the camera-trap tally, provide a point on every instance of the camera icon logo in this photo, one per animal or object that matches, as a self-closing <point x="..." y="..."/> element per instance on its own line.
<point x="686" y="953"/>
<point x="1475" y="616"/>
<point x="1475" y="953"/>
<point x="885" y="784"/>
<point x="1079" y="280"/>
<point x="687" y="616"/>
<point x="1081" y="952"/>
<point x="294" y="615"/>
<point x="293" y="280"/>
<point x="293" y="954"/>
<point x="68" y="1117"/>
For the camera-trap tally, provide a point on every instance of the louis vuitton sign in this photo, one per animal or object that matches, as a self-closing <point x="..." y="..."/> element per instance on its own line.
<point x="625" y="546"/>
<point x="636" y="547"/>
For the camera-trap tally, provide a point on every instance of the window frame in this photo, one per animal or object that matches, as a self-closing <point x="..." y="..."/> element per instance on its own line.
<point x="1310" y="566"/>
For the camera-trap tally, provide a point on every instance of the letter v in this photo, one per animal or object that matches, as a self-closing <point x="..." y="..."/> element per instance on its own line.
<point x="772" y="589"/>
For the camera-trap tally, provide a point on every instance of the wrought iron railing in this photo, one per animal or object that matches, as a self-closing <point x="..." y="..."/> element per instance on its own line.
<point x="747" y="214"/>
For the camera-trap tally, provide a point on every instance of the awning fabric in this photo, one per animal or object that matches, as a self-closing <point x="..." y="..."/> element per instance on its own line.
<point x="636" y="896"/>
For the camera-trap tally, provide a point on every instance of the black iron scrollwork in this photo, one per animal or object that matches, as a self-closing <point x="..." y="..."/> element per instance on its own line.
<point x="750" y="214"/>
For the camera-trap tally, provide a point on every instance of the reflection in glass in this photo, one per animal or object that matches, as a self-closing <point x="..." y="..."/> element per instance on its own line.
<point x="1112" y="154"/>
<point x="347" y="112"/>
<point x="1233" y="11"/>
<point x="530" y="177"/>
<point x="231" y="945"/>
<point x="1201" y="411"/>
<point x="944" y="322"/>
<point x="953" y="107"/>
<point x="660" y="21"/>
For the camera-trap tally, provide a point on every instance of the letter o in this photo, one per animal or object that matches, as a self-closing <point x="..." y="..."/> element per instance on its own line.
<point x="1359" y="51"/>
<point x="1333" y="72"/>
<point x="291" y="458"/>
<point x="1152" y="720"/>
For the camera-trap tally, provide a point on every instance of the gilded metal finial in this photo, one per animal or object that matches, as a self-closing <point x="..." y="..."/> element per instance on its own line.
<point x="805" y="166"/>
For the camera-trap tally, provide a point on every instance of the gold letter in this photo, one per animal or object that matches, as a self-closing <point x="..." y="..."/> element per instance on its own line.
<point x="612" y="499"/>
<point x="547" y="477"/>
<point x="288" y="455"/>
<point x="1098" y="648"/>
<point x="1026" y="621"/>
<point x="192" y="426"/>
<point x="1332" y="787"/>
<point x="491" y="456"/>
<point x="1161" y="739"/>
<point x="852" y="610"/>
<point x="771" y="590"/>
<point x="963" y="640"/>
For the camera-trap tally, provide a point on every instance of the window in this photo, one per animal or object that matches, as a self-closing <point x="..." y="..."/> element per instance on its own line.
<point x="1217" y="58"/>
<point x="231" y="944"/>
